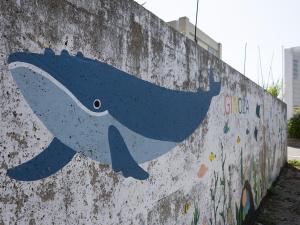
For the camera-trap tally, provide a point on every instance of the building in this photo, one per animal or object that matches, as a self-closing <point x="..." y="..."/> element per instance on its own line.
<point x="184" y="26"/>
<point x="292" y="80"/>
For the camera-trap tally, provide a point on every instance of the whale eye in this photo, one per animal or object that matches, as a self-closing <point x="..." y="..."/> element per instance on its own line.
<point x="97" y="104"/>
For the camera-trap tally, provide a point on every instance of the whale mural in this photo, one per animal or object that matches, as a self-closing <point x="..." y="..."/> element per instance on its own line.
<point x="94" y="109"/>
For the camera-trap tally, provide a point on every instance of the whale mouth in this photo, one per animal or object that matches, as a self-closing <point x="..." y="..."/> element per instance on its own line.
<point x="37" y="71"/>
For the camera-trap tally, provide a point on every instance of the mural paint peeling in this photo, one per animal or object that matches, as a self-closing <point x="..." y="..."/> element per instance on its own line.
<point x="141" y="120"/>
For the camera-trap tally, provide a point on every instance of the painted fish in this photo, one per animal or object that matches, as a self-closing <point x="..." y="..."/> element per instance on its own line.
<point x="97" y="110"/>
<point x="226" y="128"/>
<point x="257" y="111"/>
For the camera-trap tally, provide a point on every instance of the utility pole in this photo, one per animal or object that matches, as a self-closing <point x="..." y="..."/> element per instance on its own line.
<point x="270" y="72"/>
<point x="261" y="73"/>
<point x="196" y="22"/>
<point x="245" y="59"/>
<point x="282" y="70"/>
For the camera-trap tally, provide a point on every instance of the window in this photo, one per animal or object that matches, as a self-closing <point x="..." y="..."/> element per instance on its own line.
<point x="295" y="68"/>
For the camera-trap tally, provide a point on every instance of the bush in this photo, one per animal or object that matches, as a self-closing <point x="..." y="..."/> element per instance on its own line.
<point x="274" y="89"/>
<point x="294" y="127"/>
<point x="294" y="163"/>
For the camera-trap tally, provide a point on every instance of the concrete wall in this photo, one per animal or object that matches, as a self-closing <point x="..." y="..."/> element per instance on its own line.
<point x="216" y="175"/>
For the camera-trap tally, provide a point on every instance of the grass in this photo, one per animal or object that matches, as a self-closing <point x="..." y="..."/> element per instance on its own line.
<point x="266" y="220"/>
<point x="294" y="163"/>
<point x="273" y="190"/>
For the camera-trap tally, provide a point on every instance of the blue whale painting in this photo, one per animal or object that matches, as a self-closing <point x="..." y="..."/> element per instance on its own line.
<point x="101" y="112"/>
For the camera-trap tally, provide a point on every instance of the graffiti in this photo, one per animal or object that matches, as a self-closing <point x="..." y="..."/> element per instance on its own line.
<point x="101" y="112"/>
<point x="202" y="171"/>
<point x="212" y="156"/>
<point x="186" y="207"/>
<point x="226" y="128"/>
<point x="234" y="105"/>
<point x="257" y="110"/>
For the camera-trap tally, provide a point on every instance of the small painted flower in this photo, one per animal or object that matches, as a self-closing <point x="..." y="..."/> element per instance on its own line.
<point x="212" y="156"/>
<point x="186" y="207"/>
<point x="238" y="140"/>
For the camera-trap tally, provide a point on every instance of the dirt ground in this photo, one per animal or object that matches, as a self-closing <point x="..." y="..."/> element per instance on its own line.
<point x="282" y="205"/>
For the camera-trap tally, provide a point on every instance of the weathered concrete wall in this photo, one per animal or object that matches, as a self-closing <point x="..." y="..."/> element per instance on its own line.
<point x="221" y="171"/>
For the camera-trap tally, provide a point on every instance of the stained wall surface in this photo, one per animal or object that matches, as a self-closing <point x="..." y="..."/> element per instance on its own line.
<point x="217" y="174"/>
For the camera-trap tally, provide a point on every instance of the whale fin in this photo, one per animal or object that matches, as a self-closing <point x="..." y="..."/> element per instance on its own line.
<point x="121" y="157"/>
<point x="48" y="162"/>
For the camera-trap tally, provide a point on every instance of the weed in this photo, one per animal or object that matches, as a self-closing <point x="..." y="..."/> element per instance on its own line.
<point x="294" y="163"/>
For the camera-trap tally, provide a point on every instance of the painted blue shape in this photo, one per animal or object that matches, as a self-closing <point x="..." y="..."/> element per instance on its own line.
<point x="63" y="90"/>
<point x="255" y="133"/>
<point x="226" y="128"/>
<point x="48" y="162"/>
<point x="143" y="107"/>
<point x="121" y="157"/>
<point x="258" y="110"/>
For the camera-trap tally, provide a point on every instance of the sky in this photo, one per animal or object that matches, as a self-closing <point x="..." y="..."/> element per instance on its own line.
<point x="268" y="25"/>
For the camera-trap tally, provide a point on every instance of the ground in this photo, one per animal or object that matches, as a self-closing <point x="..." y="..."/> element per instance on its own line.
<point x="293" y="153"/>
<point x="282" y="205"/>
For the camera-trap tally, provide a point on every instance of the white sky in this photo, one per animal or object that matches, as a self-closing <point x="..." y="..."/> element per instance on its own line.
<point x="269" y="24"/>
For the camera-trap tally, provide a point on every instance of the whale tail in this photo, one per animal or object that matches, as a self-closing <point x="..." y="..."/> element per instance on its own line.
<point x="214" y="87"/>
<point x="121" y="157"/>
<point x="48" y="162"/>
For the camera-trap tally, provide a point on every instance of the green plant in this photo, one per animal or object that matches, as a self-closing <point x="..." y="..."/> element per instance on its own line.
<point x="274" y="89"/>
<point x="294" y="127"/>
<point x="196" y="215"/>
<point x="266" y="219"/>
<point x="273" y="190"/>
<point x="295" y="163"/>
<point x="238" y="215"/>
